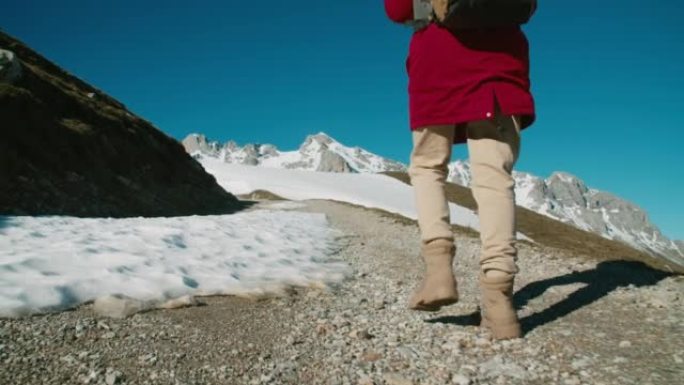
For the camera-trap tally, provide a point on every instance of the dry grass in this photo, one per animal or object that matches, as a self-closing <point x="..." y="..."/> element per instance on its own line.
<point x="261" y="195"/>
<point x="77" y="126"/>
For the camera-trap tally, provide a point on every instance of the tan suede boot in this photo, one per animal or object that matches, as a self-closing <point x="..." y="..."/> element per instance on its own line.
<point x="438" y="287"/>
<point x="498" y="313"/>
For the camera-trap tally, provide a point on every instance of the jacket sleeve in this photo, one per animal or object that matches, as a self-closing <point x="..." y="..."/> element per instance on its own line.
<point x="399" y="11"/>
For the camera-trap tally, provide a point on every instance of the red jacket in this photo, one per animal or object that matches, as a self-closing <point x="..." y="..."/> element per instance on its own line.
<point x="456" y="78"/>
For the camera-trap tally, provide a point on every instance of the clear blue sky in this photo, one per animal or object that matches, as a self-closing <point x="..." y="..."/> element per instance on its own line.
<point x="607" y="78"/>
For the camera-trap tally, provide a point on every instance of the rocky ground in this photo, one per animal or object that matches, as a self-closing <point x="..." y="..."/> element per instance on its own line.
<point x="586" y="322"/>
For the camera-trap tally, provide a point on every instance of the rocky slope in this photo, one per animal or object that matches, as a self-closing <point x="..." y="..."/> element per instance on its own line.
<point x="67" y="148"/>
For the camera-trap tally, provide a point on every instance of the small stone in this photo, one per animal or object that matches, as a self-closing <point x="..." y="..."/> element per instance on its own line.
<point x="10" y="67"/>
<point x="109" y="335"/>
<point x="460" y="379"/>
<point x="361" y="334"/>
<point x="396" y="379"/>
<point x="580" y="363"/>
<point x="371" y="356"/>
<point x="181" y="302"/>
<point x="113" y="377"/>
<point x="91" y="377"/>
<point x="324" y="328"/>
<point x="366" y="381"/>
<point x="497" y="366"/>
<point x="103" y="325"/>
<point x="290" y="340"/>
<point x="116" y="306"/>
<point x="625" y="344"/>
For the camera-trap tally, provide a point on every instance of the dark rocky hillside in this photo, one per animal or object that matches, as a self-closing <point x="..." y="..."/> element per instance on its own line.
<point x="67" y="148"/>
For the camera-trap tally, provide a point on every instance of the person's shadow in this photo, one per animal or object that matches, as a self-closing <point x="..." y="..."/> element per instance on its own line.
<point x="606" y="277"/>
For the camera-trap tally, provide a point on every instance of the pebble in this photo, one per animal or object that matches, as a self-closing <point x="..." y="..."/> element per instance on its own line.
<point x="362" y="334"/>
<point x="396" y="379"/>
<point x="371" y="356"/>
<point x="460" y="379"/>
<point x="113" y="377"/>
<point x="580" y="363"/>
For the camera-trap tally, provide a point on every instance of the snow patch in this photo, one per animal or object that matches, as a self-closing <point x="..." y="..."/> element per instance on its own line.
<point x="363" y="189"/>
<point x="54" y="263"/>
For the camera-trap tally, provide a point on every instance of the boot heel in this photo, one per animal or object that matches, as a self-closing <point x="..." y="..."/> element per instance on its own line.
<point x="438" y="287"/>
<point x="499" y="315"/>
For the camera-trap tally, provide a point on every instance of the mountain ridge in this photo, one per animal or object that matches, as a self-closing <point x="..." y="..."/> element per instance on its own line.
<point x="67" y="148"/>
<point x="318" y="152"/>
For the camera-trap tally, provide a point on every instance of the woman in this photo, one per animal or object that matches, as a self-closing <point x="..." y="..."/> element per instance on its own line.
<point x="470" y="87"/>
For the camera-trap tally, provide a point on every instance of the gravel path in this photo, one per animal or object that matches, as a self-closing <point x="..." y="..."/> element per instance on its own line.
<point x="585" y="323"/>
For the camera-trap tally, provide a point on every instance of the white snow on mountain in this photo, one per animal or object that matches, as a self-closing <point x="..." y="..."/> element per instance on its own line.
<point x="566" y="198"/>
<point x="318" y="152"/>
<point x="364" y="189"/>
<point x="56" y="262"/>
<point x="562" y="196"/>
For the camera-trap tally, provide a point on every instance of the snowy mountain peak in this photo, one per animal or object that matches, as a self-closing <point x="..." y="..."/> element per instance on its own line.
<point x="198" y="143"/>
<point x="316" y="143"/>
<point x="565" y="177"/>
<point x="318" y="152"/>
<point x="567" y="198"/>
<point x="562" y="196"/>
<point x="320" y="137"/>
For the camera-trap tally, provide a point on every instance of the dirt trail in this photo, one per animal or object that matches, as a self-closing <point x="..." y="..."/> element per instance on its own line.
<point x="585" y="323"/>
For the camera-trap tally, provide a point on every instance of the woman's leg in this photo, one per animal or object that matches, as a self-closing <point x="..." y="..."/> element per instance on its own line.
<point x="494" y="147"/>
<point x="428" y="171"/>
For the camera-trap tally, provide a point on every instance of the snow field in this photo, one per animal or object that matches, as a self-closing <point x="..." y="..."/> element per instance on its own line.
<point x="54" y="263"/>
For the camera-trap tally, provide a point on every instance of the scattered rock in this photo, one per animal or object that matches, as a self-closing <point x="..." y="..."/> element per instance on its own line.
<point x="460" y="379"/>
<point x="581" y="363"/>
<point x="396" y="379"/>
<point x="497" y="366"/>
<point x="308" y="338"/>
<point x="113" y="377"/>
<point x="181" y="302"/>
<point x="361" y="334"/>
<point x="10" y="68"/>
<point x="371" y="356"/>
<point x="118" y="306"/>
